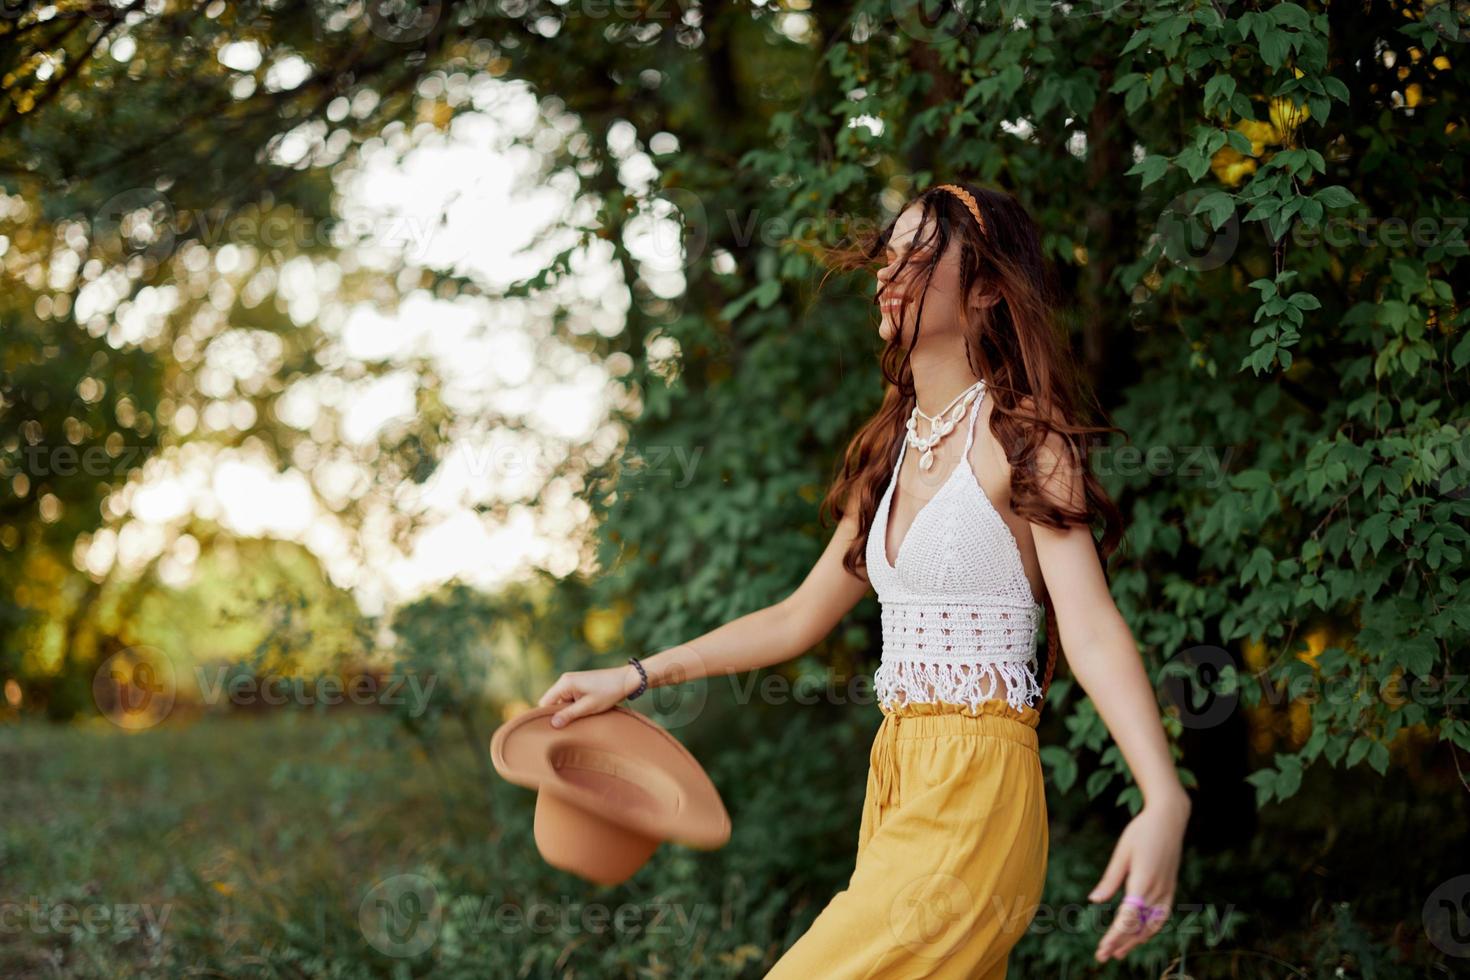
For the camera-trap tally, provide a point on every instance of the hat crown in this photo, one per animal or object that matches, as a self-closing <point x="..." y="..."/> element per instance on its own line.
<point x="587" y="844"/>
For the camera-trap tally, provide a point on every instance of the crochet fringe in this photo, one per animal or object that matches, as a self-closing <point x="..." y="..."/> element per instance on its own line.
<point x="903" y="681"/>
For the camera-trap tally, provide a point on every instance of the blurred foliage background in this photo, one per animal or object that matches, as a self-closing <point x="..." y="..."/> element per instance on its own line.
<point x="1258" y="211"/>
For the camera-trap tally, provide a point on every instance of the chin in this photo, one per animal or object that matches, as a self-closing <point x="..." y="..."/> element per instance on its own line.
<point x="886" y="329"/>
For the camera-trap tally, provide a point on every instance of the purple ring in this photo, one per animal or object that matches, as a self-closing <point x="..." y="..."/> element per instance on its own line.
<point x="1154" y="910"/>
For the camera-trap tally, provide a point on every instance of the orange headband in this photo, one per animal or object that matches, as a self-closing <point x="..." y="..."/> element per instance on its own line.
<point x="967" y="199"/>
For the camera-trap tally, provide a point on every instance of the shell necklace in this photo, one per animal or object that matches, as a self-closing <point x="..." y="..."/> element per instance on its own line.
<point x="939" y="425"/>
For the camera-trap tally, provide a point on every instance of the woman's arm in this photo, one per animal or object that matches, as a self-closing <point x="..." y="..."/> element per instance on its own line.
<point x="1104" y="658"/>
<point x="762" y="638"/>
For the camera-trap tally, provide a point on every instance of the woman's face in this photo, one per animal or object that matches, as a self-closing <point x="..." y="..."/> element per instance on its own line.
<point x="943" y="311"/>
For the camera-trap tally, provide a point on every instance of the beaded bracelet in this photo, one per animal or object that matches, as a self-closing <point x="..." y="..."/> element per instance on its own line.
<point x="643" y="684"/>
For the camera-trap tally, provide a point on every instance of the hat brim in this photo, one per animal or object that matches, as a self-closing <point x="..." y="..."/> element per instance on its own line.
<point x="618" y="764"/>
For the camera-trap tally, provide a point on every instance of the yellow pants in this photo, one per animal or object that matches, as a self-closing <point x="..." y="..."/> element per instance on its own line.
<point x="951" y="853"/>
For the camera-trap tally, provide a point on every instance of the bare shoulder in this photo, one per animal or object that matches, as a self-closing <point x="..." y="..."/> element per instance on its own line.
<point x="1058" y="463"/>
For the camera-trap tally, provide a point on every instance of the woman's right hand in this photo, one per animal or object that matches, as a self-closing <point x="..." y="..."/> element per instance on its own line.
<point x="590" y="691"/>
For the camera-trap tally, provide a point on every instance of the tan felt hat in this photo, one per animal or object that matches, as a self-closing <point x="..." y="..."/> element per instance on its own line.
<point x="611" y="786"/>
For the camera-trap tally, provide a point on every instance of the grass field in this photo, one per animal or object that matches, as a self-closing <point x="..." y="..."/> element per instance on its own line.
<point x="268" y="846"/>
<point x="299" y="845"/>
<point x="216" y="846"/>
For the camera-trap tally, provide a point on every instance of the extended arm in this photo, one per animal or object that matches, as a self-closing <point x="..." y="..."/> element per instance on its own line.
<point x="1104" y="658"/>
<point x="771" y="635"/>
<point x="762" y="638"/>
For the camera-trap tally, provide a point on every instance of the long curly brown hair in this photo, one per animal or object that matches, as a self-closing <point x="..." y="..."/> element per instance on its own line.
<point x="1017" y="345"/>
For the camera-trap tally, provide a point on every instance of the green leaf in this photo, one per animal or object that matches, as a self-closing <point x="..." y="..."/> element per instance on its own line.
<point x="1063" y="766"/>
<point x="1290" y="15"/>
<point x="1374" y="531"/>
<point x="1218" y="87"/>
<point x="1275" y="46"/>
<point x="1194" y="162"/>
<point x="1290" y="779"/>
<point x="1218" y="205"/>
<point x="1460" y="356"/>
<point x="1252" y="479"/>
<point x="1135" y="99"/>
<point x="1240" y="141"/>
<point x="1260" y="566"/>
<point x="1127" y="82"/>
<point x="767" y="293"/>
<point x="1151" y="167"/>
<point x="1264" y="780"/>
<point x="737" y="306"/>
<point x="1335" y="196"/>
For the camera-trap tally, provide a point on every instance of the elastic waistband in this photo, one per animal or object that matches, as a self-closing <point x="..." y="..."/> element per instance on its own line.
<point x="995" y="718"/>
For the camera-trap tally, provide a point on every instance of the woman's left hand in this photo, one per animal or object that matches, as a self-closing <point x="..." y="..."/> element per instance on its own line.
<point x="1147" y="856"/>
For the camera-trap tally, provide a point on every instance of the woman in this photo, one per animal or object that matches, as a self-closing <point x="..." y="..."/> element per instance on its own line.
<point x="965" y="539"/>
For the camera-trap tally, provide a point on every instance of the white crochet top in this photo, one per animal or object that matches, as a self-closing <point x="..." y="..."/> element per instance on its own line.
<point x="958" y="613"/>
